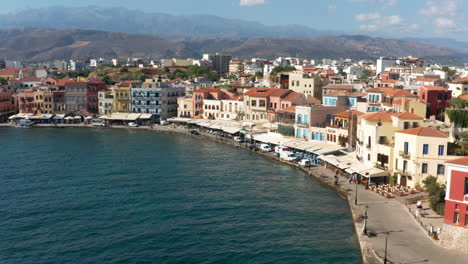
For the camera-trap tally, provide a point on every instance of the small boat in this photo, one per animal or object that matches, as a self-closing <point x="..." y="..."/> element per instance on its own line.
<point x="26" y="123"/>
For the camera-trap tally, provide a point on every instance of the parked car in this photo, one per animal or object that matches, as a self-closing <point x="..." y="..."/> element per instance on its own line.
<point x="305" y="163"/>
<point x="238" y="139"/>
<point x="265" y="147"/>
<point x="194" y="132"/>
<point x="254" y="148"/>
<point x="288" y="156"/>
<point x="279" y="149"/>
<point x="132" y="124"/>
<point x="26" y="123"/>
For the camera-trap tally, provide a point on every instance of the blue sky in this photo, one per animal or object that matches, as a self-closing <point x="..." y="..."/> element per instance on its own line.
<point x="390" y="18"/>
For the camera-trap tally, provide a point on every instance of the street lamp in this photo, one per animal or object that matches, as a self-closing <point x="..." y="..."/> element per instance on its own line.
<point x="386" y="240"/>
<point x="355" y="196"/>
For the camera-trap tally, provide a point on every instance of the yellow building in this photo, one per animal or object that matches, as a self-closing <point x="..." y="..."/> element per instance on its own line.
<point x="43" y="101"/>
<point x="419" y="153"/>
<point x="121" y="93"/>
<point x="185" y="106"/>
<point x="410" y="105"/>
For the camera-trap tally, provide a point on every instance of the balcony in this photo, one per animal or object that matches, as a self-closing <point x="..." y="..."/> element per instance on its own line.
<point x="404" y="173"/>
<point x="405" y="155"/>
<point x="381" y="166"/>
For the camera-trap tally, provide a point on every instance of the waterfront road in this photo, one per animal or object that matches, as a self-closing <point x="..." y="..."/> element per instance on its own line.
<point x="407" y="241"/>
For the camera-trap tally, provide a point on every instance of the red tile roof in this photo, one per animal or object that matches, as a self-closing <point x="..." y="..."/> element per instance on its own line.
<point x="424" y="132"/>
<point x="290" y="109"/>
<point x="382" y="116"/>
<point x="408" y="115"/>
<point x="237" y="98"/>
<point x="461" y="80"/>
<point x="391" y="91"/>
<point x="261" y="92"/>
<point x="10" y="71"/>
<point x="464" y="97"/>
<point x="434" y="88"/>
<point x="460" y="161"/>
<point x="346" y="113"/>
<point x="398" y="101"/>
<point x="291" y="96"/>
<point x="339" y="87"/>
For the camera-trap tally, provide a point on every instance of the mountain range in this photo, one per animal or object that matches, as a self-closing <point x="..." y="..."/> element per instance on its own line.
<point x="42" y="34"/>
<point x="49" y="44"/>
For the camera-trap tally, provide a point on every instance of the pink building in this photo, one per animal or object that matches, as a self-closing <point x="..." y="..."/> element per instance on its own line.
<point x="25" y="102"/>
<point x="7" y="104"/>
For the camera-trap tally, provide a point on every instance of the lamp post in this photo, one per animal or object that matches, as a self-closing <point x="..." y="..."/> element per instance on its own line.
<point x="355" y="196"/>
<point x="386" y="240"/>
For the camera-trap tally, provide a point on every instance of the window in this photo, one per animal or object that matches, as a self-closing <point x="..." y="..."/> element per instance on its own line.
<point x="406" y="146"/>
<point x="456" y="218"/>
<point x="254" y="103"/>
<point x="441" y="150"/>
<point x="368" y="157"/>
<point x="466" y="186"/>
<point x="405" y="165"/>
<point x="262" y="103"/>
<point x="424" y="168"/>
<point x="466" y="220"/>
<point x="426" y="149"/>
<point x="440" y="169"/>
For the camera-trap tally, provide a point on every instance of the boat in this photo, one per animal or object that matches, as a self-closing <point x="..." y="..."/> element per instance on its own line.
<point x="26" y="123"/>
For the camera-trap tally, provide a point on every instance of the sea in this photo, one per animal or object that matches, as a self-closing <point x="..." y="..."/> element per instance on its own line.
<point x="76" y="195"/>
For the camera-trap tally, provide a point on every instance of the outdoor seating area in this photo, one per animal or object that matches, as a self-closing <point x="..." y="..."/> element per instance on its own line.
<point x="392" y="190"/>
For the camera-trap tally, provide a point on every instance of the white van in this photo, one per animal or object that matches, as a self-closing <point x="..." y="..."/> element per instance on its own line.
<point x="265" y="147"/>
<point x="279" y="149"/>
<point x="287" y="155"/>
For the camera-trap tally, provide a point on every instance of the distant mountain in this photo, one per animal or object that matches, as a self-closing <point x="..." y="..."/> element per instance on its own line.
<point x="138" y="22"/>
<point x="444" y="42"/>
<point x="49" y="44"/>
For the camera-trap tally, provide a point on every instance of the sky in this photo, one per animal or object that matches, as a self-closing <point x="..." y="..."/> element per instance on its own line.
<point x="387" y="18"/>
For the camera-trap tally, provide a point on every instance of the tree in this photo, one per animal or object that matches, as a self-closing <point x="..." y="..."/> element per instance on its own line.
<point x="279" y="69"/>
<point x="437" y="193"/>
<point x="213" y="76"/>
<point x="108" y="80"/>
<point x="178" y="74"/>
<point x="449" y="71"/>
<point x="3" y="81"/>
<point x="259" y="75"/>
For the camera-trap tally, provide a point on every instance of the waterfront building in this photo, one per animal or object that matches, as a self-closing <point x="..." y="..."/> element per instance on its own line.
<point x="185" y="106"/>
<point x="92" y="99"/>
<point x="330" y="88"/>
<point x="25" y="101"/>
<point x="207" y="94"/>
<point x="233" y="108"/>
<point x="343" y="99"/>
<point x="455" y="231"/>
<point x="106" y="99"/>
<point x="420" y="152"/>
<point x="212" y="109"/>
<point x="375" y="136"/>
<point x="311" y="121"/>
<point x="76" y="97"/>
<point x="7" y="104"/>
<point x="43" y="101"/>
<point x="411" y="105"/>
<point x="339" y="130"/>
<point x="437" y="99"/>
<point x="58" y="102"/>
<point x="121" y="93"/>
<point x="156" y="98"/>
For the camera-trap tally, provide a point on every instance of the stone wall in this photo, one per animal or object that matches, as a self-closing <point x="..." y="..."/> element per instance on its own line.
<point x="454" y="237"/>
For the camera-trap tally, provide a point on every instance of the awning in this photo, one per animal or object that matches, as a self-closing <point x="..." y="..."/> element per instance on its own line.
<point x="36" y="117"/>
<point x="146" y="116"/>
<point x="179" y="120"/>
<point x="59" y="116"/>
<point x="231" y="130"/>
<point x="77" y="117"/>
<point x="89" y="117"/>
<point x="132" y="117"/>
<point x="373" y="173"/>
<point x="69" y="118"/>
<point x="12" y="117"/>
<point x="117" y="116"/>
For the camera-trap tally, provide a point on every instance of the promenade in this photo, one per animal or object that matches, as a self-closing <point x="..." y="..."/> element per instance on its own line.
<point x="407" y="241"/>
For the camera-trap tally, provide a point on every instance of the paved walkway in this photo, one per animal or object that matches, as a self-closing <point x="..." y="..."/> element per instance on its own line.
<point x="407" y="241"/>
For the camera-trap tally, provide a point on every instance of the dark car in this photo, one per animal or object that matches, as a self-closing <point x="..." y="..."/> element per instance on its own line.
<point x="254" y="148"/>
<point x="194" y="132"/>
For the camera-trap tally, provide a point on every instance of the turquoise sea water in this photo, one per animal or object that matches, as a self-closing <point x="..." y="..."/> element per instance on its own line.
<point x="122" y="196"/>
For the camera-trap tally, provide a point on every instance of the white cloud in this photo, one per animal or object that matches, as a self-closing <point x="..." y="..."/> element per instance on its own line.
<point x="444" y="16"/>
<point x="367" y="16"/>
<point x="251" y="2"/>
<point x="369" y="27"/>
<point x="381" y="3"/>
<point x="393" y="20"/>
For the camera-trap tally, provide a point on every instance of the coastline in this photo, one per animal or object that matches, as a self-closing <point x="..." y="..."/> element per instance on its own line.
<point x="368" y="256"/>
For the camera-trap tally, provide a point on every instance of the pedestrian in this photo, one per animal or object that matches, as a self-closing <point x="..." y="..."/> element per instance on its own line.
<point x="350" y="180"/>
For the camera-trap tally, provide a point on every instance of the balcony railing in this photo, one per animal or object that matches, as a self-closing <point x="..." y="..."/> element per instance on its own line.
<point x="404" y="173"/>
<point x="405" y="155"/>
<point x="381" y="166"/>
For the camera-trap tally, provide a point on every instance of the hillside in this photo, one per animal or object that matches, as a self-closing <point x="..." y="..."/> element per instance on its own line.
<point x="49" y="44"/>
